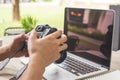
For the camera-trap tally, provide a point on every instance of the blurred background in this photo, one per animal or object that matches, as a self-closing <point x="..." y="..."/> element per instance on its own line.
<point x="26" y="14"/>
<point x="19" y="13"/>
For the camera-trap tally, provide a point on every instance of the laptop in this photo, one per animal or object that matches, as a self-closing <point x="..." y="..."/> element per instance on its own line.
<point x="89" y="42"/>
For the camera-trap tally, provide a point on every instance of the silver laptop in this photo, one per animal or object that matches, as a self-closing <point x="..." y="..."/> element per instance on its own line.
<point x="89" y="34"/>
<point x="89" y="42"/>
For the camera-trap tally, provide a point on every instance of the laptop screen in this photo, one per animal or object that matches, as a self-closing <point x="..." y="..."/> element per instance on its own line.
<point x="89" y="33"/>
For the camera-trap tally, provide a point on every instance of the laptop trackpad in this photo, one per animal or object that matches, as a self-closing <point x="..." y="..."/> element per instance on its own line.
<point x="53" y="72"/>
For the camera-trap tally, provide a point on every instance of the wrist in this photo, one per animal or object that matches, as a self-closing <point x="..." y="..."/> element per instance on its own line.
<point x="34" y="70"/>
<point x="37" y="60"/>
<point x="4" y="52"/>
<point x="8" y="51"/>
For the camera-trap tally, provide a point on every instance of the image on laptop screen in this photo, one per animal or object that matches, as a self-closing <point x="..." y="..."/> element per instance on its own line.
<point x="89" y="33"/>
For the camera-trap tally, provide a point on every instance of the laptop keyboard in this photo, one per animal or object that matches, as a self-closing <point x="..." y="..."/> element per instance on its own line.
<point x="77" y="67"/>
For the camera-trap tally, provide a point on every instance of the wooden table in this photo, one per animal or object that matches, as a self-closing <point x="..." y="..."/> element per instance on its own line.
<point x="15" y="64"/>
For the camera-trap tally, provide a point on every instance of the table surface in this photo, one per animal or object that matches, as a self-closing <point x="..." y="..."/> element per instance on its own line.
<point x="15" y="64"/>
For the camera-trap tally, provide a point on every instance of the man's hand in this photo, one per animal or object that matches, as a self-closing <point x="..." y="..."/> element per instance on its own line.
<point x="46" y="49"/>
<point x="15" y="48"/>
<point x="42" y="52"/>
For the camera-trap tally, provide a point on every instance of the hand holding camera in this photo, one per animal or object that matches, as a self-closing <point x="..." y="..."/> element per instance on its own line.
<point x="44" y="30"/>
<point x="44" y="43"/>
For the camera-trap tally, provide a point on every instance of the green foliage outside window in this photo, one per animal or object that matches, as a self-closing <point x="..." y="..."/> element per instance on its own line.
<point x="28" y="23"/>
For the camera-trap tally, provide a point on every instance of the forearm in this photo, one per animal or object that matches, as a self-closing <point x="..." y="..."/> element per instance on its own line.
<point x="34" y="70"/>
<point x="4" y="52"/>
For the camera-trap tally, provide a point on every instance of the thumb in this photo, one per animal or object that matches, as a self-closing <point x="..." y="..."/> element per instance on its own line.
<point x="20" y="37"/>
<point x="33" y="35"/>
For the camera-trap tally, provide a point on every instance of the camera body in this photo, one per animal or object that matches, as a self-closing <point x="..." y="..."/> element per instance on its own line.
<point x="44" y="30"/>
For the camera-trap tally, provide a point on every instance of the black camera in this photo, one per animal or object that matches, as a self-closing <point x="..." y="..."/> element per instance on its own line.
<point x="44" y="30"/>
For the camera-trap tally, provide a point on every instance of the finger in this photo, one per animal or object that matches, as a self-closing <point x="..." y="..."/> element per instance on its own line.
<point x="56" y="34"/>
<point x="20" y="37"/>
<point x="33" y="35"/>
<point x="24" y="36"/>
<point x="63" y="47"/>
<point x="29" y="33"/>
<point x="62" y="39"/>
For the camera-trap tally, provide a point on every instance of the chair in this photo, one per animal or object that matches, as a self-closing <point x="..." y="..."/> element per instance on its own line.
<point x="13" y="31"/>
